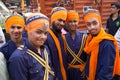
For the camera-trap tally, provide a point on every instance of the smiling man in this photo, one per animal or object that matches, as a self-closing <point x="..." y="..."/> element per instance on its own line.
<point x="32" y="61"/>
<point x="55" y="43"/>
<point x="102" y="48"/>
<point x="14" y="27"/>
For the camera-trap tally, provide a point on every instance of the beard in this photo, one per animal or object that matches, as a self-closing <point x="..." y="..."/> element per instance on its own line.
<point x="56" y="28"/>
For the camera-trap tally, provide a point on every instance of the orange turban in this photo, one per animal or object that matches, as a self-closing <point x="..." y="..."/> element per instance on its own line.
<point x="72" y="15"/>
<point x="57" y="13"/>
<point x="36" y="20"/>
<point x="14" y="19"/>
<point x="92" y="13"/>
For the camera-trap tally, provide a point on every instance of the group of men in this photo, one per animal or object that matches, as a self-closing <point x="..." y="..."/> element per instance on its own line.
<point x="47" y="54"/>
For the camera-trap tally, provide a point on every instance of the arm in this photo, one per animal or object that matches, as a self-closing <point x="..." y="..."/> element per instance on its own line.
<point x="106" y="61"/>
<point x="17" y="68"/>
<point x="2" y="37"/>
<point x="107" y="27"/>
<point x="3" y="68"/>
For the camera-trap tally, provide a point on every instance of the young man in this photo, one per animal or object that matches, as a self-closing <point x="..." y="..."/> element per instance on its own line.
<point x="113" y="23"/>
<point x="55" y="43"/>
<point x="14" y="27"/>
<point x="74" y="41"/>
<point x="32" y="61"/>
<point x="102" y="48"/>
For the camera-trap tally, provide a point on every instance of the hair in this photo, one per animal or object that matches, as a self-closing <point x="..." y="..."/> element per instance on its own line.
<point x="117" y="4"/>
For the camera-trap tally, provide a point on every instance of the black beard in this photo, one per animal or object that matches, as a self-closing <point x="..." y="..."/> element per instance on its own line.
<point x="58" y="30"/>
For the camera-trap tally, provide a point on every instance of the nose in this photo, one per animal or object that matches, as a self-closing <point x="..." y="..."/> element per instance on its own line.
<point x="43" y="36"/>
<point x="16" y="29"/>
<point x="62" y="23"/>
<point x="92" y="26"/>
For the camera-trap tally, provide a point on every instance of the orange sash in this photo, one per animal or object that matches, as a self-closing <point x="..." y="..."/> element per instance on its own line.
<point x="92" y="48"/>
<point x="59" y="54"/>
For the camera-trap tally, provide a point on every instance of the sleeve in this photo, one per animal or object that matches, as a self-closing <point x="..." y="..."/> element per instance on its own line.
<point x="107" y="62"/>
<point x="17" y="68"/>
<point x="2" y="37"/>
<point x="3" y="68"/>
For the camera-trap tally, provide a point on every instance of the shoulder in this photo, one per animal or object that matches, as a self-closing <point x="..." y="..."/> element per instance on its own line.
<point x="5" y="46"/>
<point x="19" y="52"/>
<point x="107" y="43"/>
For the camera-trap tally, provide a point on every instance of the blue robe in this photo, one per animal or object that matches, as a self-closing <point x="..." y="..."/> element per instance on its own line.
<point x="9" y="47"/>
<point x="105" y="64"/>
<point x="23" y="66"/>
<point x="75" y="73"/>
<point x="54" y="55"/>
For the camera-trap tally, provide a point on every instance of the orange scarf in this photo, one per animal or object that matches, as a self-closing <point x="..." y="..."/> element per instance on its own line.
<point x="59" y="54"/>
<point x="92" y="48"/>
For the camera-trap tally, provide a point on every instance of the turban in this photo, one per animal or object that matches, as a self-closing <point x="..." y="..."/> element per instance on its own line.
<point x="14" y="19"/>
<point x="36" y="20"/>
<point x="92" y="13"/>
<point x="72" y="15"/>
<point x="57" y="13"/>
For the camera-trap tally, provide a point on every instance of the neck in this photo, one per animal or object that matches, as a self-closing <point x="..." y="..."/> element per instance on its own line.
<point x="115" y="16"/>
<point x="16" y="41"/>
<point x="39" y="51"/>
<point x="73" y="33"/>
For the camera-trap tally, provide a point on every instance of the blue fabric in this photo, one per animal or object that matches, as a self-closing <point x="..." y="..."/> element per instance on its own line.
<point x="22" y="66"/>
<point x="54" y="55"/>
<point x="105" y="63"/>
<point x="75" y="73"/>
<point x="24" y="34"/>
<point x="9" y="48"/>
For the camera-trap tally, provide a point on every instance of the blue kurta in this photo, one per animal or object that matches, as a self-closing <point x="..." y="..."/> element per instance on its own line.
<point x="23" y="66"/>
<point x="74" y="73"/>
<point x="105" y="64"/>
<point x="9" y="47"/>
<point x="54" y="55"/>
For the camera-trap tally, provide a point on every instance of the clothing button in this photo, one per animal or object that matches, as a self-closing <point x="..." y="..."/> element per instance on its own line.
<point x="37" y="71"/>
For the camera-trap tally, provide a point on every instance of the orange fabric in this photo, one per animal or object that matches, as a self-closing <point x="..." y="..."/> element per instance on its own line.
<point x="22" y="4"/>
<point x="92" y="15"/>
<point x="60" y="14"/>
<point x="14" y="20"/>
<point x="72" y="15"/>
<point x="81" y="66"/>
<point x="92" y="48"/>
<point x="59" y="54"/>
<point x="36" y="24"/>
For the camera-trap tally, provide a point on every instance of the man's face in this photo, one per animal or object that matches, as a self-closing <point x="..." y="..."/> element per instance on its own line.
<point x="58" y="24"/>
<point x="114" y="9"/>
<point x="93" y="26"/>
<point x="72" y="24"/>
<point x="15" y="31"/>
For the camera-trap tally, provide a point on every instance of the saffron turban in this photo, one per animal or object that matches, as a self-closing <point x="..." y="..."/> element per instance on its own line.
<point x="57" y="13"/>
<point x="36" y="20"/>
<point x="14" y="19"/>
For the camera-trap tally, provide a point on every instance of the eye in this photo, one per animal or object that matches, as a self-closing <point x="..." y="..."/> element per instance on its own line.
<point x="19" y="27"/>
<point x="12" y="27"/>
<point x="75" y="21"/>
<point x="95" y="23"/>
<point x="88" y="24"/>
<point x="39" y="32"/>
<point x="45" y="33"/>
